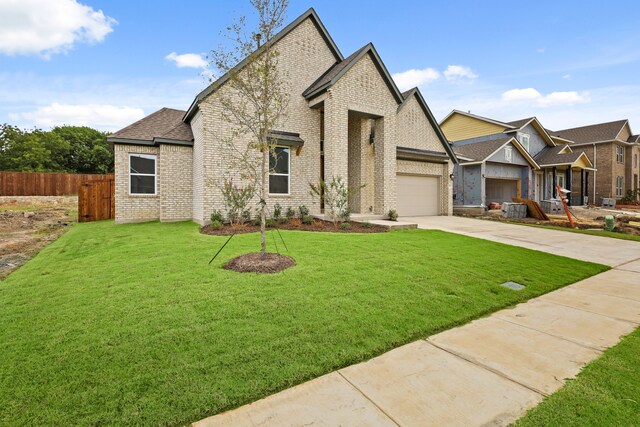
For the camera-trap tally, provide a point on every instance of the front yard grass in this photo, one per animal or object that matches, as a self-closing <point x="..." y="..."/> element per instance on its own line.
<point x="605" y="393"/>
<point x="128" y="324"/>
<point x="601" y="233"/>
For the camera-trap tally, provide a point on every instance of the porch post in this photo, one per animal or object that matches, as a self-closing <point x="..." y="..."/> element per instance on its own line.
<point x="554" y="190"/>
<point x="567" y="178"/>
<point x="586" y="184"/>
<point x="582" y="185"/>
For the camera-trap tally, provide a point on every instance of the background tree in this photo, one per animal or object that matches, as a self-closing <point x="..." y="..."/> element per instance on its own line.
<point x="253" y="98"/>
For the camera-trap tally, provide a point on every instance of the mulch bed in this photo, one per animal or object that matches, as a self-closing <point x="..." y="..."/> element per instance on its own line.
<point x="254" y="262"/>
<point x="296" y="224"/>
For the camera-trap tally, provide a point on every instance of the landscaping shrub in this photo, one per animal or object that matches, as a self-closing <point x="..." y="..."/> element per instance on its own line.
<point x="270" y="222"/>
<point x="217" y="216"/>
<point x="304" y="211"/>
<point x="277" y="211"/>
<point x="307" y="219"/>
<point x="291" y="213"/>
<point x="216" y="224"/>
<point x="367" y="224"/>
<point x="336" y="195"/>
<point x="246" y="216"/>
<point x="345" y="226"/>
<point x="393" y="215"/>
<point x="282" y="220"/>
<point x="236" y="200"/>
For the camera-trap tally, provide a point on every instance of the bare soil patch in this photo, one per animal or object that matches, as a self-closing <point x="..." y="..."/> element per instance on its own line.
<point x="296" y="224"/>
<point x="254" y="262"/>
<point x="28" y="224"/>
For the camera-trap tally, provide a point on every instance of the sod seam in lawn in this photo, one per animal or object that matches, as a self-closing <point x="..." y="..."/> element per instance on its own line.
<point x="128" y="324"/>
<point x="605" y="393"/>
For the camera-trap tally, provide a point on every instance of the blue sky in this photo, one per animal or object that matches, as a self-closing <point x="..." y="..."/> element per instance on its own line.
<point x="107" y="63"/>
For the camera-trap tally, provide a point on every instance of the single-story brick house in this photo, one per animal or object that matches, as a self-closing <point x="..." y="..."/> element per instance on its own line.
<point x="345" y="118"/>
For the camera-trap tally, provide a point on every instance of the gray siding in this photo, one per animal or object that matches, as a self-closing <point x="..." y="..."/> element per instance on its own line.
<point x="536" y="143"/>
<point x="518" y="159"/>
<point x="468" y="184"/>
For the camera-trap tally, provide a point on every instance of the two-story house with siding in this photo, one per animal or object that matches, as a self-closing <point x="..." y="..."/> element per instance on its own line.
<point x="345" y="118"/>
<point x="499" y="161"/>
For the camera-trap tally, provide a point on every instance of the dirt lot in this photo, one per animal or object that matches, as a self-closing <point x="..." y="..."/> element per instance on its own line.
<point x="28" y="224"/>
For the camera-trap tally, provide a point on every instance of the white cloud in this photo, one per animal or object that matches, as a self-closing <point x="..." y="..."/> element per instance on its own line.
<point x="412" y="78"/>
<point x="567" y="76"/>
<point x="541" y="50"/>
<point x="187" y="60"/>
<point x="554" y="98"/>
<point x="457" y="72"/>
<point x="100" y="116"/>
<point x="46" y="27"/>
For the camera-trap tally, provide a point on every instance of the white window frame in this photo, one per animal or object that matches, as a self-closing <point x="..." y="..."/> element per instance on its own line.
<point x="508" y="155"/>
<point x="154" y="175"/>
<point x="560" y="177"/>
<point x="619" y="186"/>
<point x="521" y="138"/>
<point x="288" y="175"/>
<point x="619" y="154"/>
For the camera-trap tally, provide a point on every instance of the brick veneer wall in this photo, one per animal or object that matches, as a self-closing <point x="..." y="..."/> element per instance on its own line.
<point x="176" y="182"/>
<point x="130" y="208"/>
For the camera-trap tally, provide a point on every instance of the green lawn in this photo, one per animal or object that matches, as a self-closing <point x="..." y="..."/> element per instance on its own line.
<point x="128" y="324"/>
<point x="605" y="393"/>
<point x="603" y="233"/>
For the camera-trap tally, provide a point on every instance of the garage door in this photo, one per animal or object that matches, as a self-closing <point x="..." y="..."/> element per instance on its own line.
<point x="501" y="190"/>
<point x="418" y="195"/>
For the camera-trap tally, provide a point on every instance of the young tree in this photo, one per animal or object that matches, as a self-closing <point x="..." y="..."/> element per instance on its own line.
<point x="254" y="97"/>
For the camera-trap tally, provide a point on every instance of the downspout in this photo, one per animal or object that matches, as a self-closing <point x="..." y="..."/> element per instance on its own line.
<point x="595" y="172"/>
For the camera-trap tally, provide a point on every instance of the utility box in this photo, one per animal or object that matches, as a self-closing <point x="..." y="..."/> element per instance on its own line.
<point x="514" y="210"/>
<point x="552" y="207"/>
<point x="608" y="202"/>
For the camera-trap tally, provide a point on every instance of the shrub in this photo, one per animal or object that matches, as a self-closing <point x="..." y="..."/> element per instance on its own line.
<point x="256" y="221"/>
<point x="345" y="225"/>
<point x="277" y="211"/>
<point x="367" y="224"/>
<point x="236" y="200"/>
<point x="270" y="222"/>
<point x="307" y="219"/>
<point x="393" y="215"/>
<point x="335" y="195"/>
<point x="216" y="224"/>
<point x="291" y="213"/>
<point x="217" y="216"/>
<point x="304" y="211"/>
<point x="246" y="216"/>
<point x="282" y="220"/>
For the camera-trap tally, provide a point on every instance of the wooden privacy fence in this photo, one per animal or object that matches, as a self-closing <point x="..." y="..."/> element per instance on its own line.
<point x="43" y="183"/>
<point x="96" y="200"/>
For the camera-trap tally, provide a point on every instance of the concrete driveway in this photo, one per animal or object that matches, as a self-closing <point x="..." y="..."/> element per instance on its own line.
<point x="603" y="250"/>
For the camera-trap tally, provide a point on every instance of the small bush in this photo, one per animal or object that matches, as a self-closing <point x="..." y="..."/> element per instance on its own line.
<point x="304" y="211"/>
<point x="215" y="224"/>
<point x="282" y="220"/>
<point x="307" y="219"/>
<point x="345" y="225"/>
<point x="367" y="224"/>
<point x="277" y="211"/>
<point x="393" y="215"/>
<point x="291" y="213"/>
<point x="217" y="216"/>
<point x="256" y="221"/>
<point x="270" y="222"/>
<point x="246" y="216"/>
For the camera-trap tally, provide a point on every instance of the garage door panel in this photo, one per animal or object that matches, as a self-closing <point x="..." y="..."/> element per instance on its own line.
<point x="501" y="190"/>
<point x="418" y="195"/>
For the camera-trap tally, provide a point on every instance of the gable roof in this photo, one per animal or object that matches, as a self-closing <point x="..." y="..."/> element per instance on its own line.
<point x="633" y="138"/>
<point x="475" y="116"/>
<point x="427" y="111"/>
<point x="164" y="125"/>
<point x="557" y="156"/>
<point x="592" y="133"/>
<point x="335" y="72"/>
<point x="310" y="13"/>
<point x="481" y="151"/>
<point x="519" y="124"/>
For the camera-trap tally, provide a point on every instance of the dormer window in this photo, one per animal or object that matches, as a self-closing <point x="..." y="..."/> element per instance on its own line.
<point x="523" y="139"/>
<point x="508" y="155"/>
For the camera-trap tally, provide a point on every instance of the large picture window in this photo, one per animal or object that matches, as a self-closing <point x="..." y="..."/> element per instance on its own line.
<point x="279" y="172"/>
<point x="142" y="174"/>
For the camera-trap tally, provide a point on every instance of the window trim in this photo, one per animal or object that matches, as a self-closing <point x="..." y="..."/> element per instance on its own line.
<point x="509" y="158"/>
<point x="154" y="175"/>
<point x="521" y="137"/>
<point x="620" y="180"/>
<point x="288" y="175"/>
<point x="563" y="178"/>
<point x="619" y="154"/>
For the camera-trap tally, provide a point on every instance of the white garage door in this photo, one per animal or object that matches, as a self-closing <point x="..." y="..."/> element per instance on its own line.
<point x="418" y="195"/>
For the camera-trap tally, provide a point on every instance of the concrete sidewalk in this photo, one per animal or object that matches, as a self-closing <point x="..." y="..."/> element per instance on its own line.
<point x="488" y="372"/>
<point x="603" y="250"/>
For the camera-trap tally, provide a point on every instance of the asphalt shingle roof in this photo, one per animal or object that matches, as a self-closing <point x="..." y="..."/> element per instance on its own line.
<point x="592" y="133"/>
<point x="479" y="151"/>
<point x="552" y="156"/>
<point x="519" y="123"/>
<point x="164" y="123"/>
<point x="333" y="71"/>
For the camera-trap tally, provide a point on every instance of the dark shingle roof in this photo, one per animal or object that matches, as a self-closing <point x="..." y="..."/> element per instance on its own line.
<point x="479" y="151"/>
<point x="592" y="133"/>
<point x="165" y="123"/>
<point x="552" y="156"/>
<point x="521" y="122"/>
<point x="633" y="138"/>
<point x="332" y="72"/>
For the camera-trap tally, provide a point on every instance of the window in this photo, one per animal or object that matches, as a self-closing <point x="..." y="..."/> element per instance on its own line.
<point x="619" y="154"/>
<point x="508" y="155"/>
<point x="142" y="174"/>
<point x="279" y="171"/>
<point x="560" y="179"/>
<point x="619" y="185"/>
<point x="523" y="138"/>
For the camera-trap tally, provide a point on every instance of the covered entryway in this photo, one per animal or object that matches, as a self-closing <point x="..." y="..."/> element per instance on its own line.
<point x="502" y="190"/>
<point x="418" y="195"/>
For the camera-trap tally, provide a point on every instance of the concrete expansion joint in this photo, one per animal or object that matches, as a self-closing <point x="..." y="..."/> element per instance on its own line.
<point x="593" y="312"/>
<point x="487" y="368"/>
<point x="368" y="398"/>
<point x="625" y="263"/>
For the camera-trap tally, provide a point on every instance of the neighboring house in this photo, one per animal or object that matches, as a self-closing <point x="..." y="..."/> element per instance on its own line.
<point x="346" y="118"/>
<point x="502" y="160"/>
<point x="614" y="151"/>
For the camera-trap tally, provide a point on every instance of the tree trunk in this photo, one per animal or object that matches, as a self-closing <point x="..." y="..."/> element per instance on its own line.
<point x="263" y="200"/>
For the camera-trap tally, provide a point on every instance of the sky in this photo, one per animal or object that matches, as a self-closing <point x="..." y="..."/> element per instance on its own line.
<point x="107" y="63"/>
